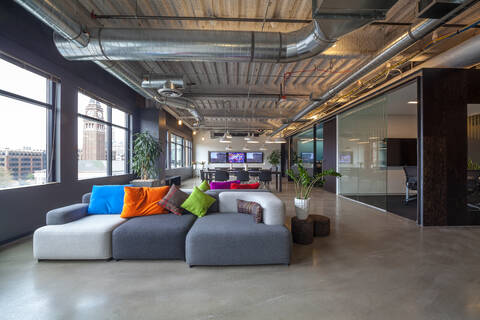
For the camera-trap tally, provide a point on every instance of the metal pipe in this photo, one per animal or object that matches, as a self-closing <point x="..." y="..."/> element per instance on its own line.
<point x="53" y="16"/>
<point x="155" y="81"/>
<point x="185" y="18"/>
<point x="214" y="45"/>
<point x="402" y="43"/>
<point x="238" y="96"/>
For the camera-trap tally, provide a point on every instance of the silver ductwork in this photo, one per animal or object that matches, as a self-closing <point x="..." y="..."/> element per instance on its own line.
<point x="52" y="13"/>
<point x="213" y="45"/>
<point x="166" y="86"/>
<point x="399" y="45"/>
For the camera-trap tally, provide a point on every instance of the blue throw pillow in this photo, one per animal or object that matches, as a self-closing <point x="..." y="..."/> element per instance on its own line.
<point x="107" y="199"/>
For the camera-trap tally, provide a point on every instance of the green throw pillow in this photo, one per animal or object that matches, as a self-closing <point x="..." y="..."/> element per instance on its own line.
<point x="198" y="202"/>
<point x="204" y="186"/>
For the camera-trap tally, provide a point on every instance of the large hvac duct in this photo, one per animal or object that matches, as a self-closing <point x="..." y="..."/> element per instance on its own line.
<point x="214" y="45"/>
<point x="52" y="13"/>
<point x="402" y="43"/>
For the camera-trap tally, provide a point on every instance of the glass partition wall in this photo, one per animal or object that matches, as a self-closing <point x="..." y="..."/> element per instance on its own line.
<point x="308" y="146"/>
<point x="377" y="149"/>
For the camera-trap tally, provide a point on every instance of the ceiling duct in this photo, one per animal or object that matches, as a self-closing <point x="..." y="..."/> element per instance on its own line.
<point x="136" y="44"/>
<point x="166" y="86"/>
<point x="53" y="14"/>
<point x="405" y="41"/>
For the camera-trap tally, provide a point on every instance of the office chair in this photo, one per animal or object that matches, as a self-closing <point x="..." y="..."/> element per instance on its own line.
<point x="221" y="175"/>
<point x="265" y="176"/>
<point x="410" y="182"/>
<point x="243" y="176"/>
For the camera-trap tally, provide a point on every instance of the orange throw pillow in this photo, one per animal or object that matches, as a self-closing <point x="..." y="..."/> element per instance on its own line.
<point x="142" y="201"/>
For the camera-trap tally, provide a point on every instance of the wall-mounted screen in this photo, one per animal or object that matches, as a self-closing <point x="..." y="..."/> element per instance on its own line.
<point x="236" y="157"/>
<point x="307" y="157"/>
<point x="217" y="157"/>
<point x="255" y="157"/>
<point x="401" y="152"/>
<point x="345" y="157"/>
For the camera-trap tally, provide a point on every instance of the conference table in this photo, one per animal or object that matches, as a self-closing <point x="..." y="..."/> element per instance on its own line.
<point x="210" y="174"/>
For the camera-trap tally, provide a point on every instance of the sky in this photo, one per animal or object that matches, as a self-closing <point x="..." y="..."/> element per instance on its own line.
<point x="24" y="125"/>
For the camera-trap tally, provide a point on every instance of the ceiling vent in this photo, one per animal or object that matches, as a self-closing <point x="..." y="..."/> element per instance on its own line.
<point x="435" y="9"/>
<point x="167" y="86"/>
<point x="170" y="90"/>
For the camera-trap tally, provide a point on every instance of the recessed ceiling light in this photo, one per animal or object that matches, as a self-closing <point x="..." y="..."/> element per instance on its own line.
<point x="252" y="141"/>
<point x="412" y="102"/>
<point x="362" y="142"/>
<point x="373" y="138"/>
<point x="354" y="139"/>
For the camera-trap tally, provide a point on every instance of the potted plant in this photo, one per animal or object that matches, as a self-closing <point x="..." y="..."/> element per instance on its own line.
<point x="146" y="153"/>
<point x="304" y="184"/>
<point x="274" y="159"/>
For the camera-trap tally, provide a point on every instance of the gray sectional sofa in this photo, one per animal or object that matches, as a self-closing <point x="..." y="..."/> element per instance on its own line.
<point x="222" y="237"/>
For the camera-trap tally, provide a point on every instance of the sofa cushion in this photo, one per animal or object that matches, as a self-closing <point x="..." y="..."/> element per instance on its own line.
<point x="222" y="184"/>
<point x="106" y="199"/>
<point x="273" y="207"/>
<point x="245" y="186"/>
<point x="235" y="239"/>
<point x="198" y="202"/>
<point x="173" y="200"/>
<point x="152" y="237"/>
<point x="204" y="186"/>
<point x="143" y="201"/>
<point x="86" y="238"/>
<point x="252" y="208"/>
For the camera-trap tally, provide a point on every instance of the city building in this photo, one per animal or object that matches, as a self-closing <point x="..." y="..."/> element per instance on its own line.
<point x="355" y="125"/>
<point x="22" y="164"/>
<point x="93" y="133"/>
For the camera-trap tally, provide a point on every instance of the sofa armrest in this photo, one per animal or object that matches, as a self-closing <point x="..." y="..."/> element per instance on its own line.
<point x="67" y="214"/>
<point x="273" y="207"/>
<point x="86" y="197"/>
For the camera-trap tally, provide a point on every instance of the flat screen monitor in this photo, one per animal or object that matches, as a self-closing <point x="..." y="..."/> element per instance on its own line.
<point x="217" y="157"/>
<point x="254" y="157"/>
<point x="307" y="157"/>
<point x="345" y="157"/>
<point x="236" y="157"/>
<point x="401" y="152"/>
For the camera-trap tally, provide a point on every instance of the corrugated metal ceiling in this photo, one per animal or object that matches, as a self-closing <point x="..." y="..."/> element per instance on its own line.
<point x="310" y="76"/>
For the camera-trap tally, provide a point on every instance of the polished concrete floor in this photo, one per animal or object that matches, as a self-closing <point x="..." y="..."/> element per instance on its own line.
<point x="374" y="265"/>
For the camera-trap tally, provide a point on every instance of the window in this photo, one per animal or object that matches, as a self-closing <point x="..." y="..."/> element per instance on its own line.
<point x="180" y="151"/>
<point x="27" y="113"/>
<point x="188" y="153"/>
<point x="103" y="139"/>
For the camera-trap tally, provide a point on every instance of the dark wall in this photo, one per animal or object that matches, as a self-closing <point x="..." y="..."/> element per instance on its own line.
<point x="445" y="94"/>
<point x="158" y="122"/>
<point x="24" y="37"/>
<point x="330" y="152"/>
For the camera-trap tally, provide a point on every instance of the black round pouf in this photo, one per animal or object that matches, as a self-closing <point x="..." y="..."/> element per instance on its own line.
<point x="302" y="230"/>
<point x="321" y="225"/>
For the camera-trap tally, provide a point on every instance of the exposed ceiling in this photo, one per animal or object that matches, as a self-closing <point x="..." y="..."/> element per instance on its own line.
<point x="249" y="81"/>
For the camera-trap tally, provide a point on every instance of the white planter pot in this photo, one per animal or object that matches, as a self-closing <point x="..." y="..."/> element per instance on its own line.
<point x="302" y="208"/>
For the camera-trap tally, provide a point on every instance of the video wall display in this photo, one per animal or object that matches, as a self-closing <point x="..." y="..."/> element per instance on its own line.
<point x="235" y="157"/>
<point x="217" y="157"/>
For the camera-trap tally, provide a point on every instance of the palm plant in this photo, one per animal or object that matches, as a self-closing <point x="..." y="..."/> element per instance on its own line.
<point x="304" y="183"/>
<point x="146" y="152"/>
<point x="274" y="158"/>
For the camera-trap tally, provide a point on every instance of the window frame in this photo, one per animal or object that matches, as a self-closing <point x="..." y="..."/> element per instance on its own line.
<point x="185" y="144"/>
<point x="109" y="125"/>
<point x="52" y="109"/>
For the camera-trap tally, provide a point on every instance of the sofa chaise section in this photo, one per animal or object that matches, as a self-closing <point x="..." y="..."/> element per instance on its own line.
<point x="231" y="238"/>
<point x="72" y="234"/>
<point x="158" y="237"/>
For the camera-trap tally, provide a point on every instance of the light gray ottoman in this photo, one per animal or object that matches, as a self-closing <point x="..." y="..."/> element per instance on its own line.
<point x="87" y="238"/>
<point x="235" y="239"/>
